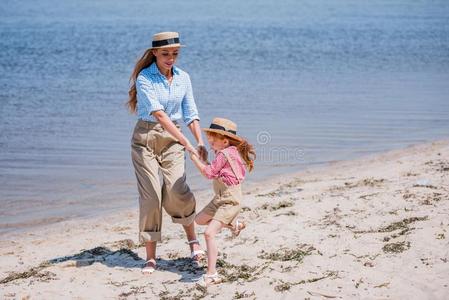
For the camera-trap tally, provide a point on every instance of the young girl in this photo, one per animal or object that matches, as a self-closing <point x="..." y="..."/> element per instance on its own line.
<point x="232" y="154"/>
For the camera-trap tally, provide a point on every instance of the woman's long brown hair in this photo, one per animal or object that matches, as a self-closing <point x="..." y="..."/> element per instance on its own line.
<point x="246" y="150"/>
<point x="146" y="60"/>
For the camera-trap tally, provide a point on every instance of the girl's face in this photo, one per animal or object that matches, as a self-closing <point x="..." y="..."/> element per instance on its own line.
<point x="166" y="58"/>
<point x="217" y="143"/>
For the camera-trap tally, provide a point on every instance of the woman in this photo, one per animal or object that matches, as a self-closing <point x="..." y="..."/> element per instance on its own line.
<point x="161" y="95"/>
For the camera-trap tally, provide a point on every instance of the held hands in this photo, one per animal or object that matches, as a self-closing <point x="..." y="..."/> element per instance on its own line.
<point x="202" y="151"/>
<point x="192" y="151"/>
<point x="199" y="157"/>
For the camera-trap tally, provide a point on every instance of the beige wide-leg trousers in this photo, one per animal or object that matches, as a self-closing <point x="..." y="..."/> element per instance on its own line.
<point x="153" y="149"/>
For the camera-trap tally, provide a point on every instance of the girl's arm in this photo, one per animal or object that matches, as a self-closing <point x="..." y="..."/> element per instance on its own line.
<point x="212" y="170"/>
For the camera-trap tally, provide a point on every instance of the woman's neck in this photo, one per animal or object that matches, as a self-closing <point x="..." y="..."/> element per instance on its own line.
<point x="166" y="72"/>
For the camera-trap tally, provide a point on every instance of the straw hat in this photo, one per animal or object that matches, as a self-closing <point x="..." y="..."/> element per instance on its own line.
<point x="165" y="40"/>
<point x="225" y="127"/>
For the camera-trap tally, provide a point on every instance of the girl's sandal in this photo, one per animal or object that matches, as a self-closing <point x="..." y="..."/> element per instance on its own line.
<point x="212" y="279"/>
<point x="150" y="267"/>
<point x="239" y="226"/>
<point x="196" y="255"/>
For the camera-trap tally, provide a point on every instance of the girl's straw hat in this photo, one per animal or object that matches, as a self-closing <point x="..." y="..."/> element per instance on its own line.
<point x="165" y="40"/>
<point x="225" y="127"/>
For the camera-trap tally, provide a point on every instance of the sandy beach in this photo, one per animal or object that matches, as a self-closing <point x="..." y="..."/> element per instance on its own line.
<point x="370" y="228"/>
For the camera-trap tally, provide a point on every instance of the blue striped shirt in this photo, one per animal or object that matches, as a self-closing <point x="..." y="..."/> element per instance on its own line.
<point x="154" y="92"/>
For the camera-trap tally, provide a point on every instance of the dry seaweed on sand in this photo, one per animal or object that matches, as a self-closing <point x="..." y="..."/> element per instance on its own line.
<point x="382" y="285"/>
<point x="284" y="189"/>
<point x="285" y="286"/>
<point x="400" y="225"/>
<point x="196" y="292"/>
<point x="440" y="165"/>
<point x="134" y="290"/>
<point x="286" y="254"/>
<point x="230" y="272"/>
<point x="371" y="182"/>
<point x="282" y="204"/>
<point x="288" y="213"/>
<point x="429" y="186"/>
<point x="408" y="195"/>
<point x="32" y="272"/>
<point x="277" y="206"/>
<point x="432" y="198"/>
<point x="396" y="247"/>
<point x="332" y="218"/>
<point x="368" y="196"/>
<point x="244" y="294"/>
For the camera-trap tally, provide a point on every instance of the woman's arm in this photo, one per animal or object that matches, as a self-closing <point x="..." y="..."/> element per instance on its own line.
<point x="198" y="164"/>
<point x="190" y="116"/>
<point x="168" y="125"/>
<point x="194" y="127"/>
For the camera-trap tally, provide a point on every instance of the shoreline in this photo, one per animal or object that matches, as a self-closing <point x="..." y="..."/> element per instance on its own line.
<point x="54" y="219"/>
<point x="372" y="227"/>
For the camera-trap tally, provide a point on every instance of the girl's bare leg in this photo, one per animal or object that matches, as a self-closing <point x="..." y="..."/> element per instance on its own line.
<point x="202" y="218"/>
<point x="212" y="229"/>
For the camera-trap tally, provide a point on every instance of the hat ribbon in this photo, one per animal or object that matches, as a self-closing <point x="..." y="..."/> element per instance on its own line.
<point x="165" y="42"/>
<point x="215" y="126"/>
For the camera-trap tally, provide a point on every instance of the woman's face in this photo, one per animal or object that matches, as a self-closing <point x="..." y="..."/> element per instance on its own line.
<point x="216" y="143"/>
<point x="166" y="58"/>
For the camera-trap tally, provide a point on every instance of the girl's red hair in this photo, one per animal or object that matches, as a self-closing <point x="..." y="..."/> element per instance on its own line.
<point x="246" y="150"/>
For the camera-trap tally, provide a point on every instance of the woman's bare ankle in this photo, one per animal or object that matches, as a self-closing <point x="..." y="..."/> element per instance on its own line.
<point x="211" y="271"/>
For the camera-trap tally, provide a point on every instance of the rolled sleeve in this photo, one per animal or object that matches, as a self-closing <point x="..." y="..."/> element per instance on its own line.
<point x="213" y="170"/>
<point x="146" y="95"/>
<point x="189" y="110"/>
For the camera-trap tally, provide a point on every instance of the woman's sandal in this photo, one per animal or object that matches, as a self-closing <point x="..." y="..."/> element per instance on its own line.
<point x="196" y="255"/>
<point x="239" y="226"/>
<point x="212" y="279"/>
<point x="149" y="269"/>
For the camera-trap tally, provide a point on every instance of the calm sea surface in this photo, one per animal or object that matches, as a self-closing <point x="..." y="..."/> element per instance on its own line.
<point x="307" y="82"/>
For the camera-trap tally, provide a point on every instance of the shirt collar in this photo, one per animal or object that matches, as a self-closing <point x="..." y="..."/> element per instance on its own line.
<point x="155" y="70"/>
